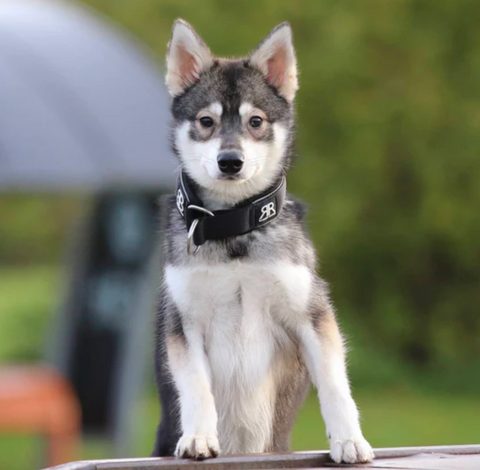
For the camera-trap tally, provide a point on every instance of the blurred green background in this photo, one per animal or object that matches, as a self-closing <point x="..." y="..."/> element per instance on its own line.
<point x="389" y="164"/>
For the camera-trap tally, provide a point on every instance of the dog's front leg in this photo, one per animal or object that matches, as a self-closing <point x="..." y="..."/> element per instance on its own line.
<point x="323" y="351"/>
<point x="191" y="374"/>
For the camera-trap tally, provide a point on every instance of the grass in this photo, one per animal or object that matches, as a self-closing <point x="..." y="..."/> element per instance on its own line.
<point x="399" y="416"/>
<point x="391" y="418"/>
<point x="27" y="301"/>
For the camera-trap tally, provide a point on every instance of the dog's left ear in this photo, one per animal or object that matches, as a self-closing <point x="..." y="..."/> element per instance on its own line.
<point x="275" y="58"/>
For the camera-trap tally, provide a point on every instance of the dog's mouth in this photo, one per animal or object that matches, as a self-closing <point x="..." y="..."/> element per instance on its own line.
<point x="231" y="178"/>
<point x="240" y="177"/>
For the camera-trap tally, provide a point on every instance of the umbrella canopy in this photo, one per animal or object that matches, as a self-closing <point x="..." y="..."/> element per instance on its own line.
<point x="82" y="106"/>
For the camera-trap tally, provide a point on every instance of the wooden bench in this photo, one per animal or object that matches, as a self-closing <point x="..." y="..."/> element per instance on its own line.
<point x="37" y="400"/>
<point x="413" y="458"/>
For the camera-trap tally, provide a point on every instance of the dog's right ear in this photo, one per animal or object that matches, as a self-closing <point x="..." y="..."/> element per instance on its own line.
<point x="187" y="57"/>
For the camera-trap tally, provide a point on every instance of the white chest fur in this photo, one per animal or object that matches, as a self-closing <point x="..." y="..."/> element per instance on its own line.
<point x="203" y="292"/>
<point x="242" y="310"/>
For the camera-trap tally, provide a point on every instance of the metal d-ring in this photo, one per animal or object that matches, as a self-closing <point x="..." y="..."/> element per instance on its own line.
<point x="191" y="248"/>
<point x="201" y="209"/>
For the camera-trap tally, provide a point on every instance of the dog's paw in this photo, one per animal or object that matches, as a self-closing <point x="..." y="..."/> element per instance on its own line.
<point x="197" y="447"/>
<point x="351" y="450"/>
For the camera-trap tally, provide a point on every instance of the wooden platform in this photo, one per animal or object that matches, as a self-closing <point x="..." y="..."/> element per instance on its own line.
<point x="407" y="458"/>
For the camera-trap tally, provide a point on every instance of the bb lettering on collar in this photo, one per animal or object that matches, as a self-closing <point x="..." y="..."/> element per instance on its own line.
<point x="267" y="211"/>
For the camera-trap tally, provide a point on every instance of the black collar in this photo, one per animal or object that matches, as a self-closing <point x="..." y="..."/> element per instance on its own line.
<point x="204" y="225"/>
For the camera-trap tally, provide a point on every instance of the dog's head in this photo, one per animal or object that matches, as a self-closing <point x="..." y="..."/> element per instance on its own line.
<point x="232" y="119"/>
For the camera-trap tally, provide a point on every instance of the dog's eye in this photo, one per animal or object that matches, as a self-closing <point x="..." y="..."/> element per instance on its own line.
<point x="256" y="121"/>
<point x="206" y="121"/>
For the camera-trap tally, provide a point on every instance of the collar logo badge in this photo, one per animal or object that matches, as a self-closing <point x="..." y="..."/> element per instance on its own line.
<point x="180" y="202"/>
<point x="268" y="211"/>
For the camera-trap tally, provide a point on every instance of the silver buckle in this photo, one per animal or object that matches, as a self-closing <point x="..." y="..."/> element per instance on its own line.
<point x="191" y="248"/>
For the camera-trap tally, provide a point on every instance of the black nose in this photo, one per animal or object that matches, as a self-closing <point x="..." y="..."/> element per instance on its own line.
<point x="230" y="162"/>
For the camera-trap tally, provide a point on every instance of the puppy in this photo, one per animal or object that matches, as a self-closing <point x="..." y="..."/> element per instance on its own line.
<point x="244" y="322"/>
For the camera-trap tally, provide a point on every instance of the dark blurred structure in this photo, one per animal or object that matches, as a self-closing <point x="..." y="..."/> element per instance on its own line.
<point x="84" y="109"/>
